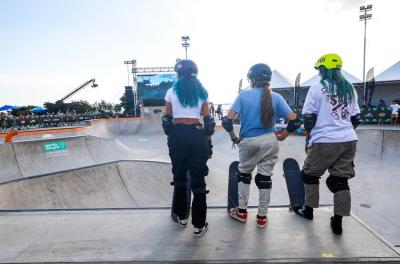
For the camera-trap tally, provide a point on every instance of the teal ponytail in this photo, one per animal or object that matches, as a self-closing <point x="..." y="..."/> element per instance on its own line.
<point x="189" y="91"/>
<point x="337" y="84"/>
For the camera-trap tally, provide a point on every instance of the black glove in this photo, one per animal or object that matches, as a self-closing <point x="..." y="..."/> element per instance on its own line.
<point x="210" y="147"/>
<point x="293" y="125"/>
<point x="236" y="140"/>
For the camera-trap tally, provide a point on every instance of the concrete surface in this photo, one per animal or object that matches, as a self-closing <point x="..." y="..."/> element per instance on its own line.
<point x="151" y="236"/>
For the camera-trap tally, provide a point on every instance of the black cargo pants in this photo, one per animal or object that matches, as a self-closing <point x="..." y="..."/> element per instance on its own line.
<point x="188" y="151"/>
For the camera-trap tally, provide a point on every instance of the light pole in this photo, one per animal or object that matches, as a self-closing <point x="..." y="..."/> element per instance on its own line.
<point x="185" y="44"/>
<point x="364" y="17"/>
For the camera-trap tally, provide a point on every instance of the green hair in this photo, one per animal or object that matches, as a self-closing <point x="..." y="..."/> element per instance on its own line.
<point x="337" y="84"/>
<point x="189" y="91"/>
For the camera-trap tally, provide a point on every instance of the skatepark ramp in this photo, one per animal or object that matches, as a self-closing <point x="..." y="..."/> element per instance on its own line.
<point x="35" y="157"/>
<point x="148" y="124"/>
<point x="379" y="144"/>
<point x="123" y="184"/>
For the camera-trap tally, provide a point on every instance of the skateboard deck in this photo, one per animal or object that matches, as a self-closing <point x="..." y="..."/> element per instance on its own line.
<point x="233" y="199"/>
<point x="294" y="183"/>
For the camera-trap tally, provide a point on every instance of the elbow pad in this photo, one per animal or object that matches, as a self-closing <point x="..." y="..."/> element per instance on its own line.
<point x="309" y="121"/>
<point x="209" y="125"/>
<point x="355" y="120"/>
<point x="227" y="124"/>
<point x="167" y="123"/>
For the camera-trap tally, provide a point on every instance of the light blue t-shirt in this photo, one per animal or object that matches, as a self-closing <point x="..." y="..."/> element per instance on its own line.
<point x="248" y="106"/>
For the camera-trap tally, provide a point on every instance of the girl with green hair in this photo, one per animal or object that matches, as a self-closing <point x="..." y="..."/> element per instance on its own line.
<point x="331" y="114"/>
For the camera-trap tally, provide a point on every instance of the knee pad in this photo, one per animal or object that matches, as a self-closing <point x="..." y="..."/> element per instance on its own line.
<point x="199" y="186"/>
<point x="308" y="179"/>
<point x="263" y="182"/>
<point x="244" y="177"/>
<point x="336" y="183"/>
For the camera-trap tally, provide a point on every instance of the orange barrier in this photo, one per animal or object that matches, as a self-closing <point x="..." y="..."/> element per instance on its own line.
<point x="10" y="135"/>
<point x="47" y="131"/>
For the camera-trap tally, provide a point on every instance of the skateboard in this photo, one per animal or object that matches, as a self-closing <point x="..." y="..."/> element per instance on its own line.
<point x="294" y="183"/>
<point x="233" y="199"/>
<point x="189" y="199"/>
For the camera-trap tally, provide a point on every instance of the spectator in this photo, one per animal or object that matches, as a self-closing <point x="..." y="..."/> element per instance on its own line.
<point x="212" y="109"/>
<point x="138" y="109"/>
<point x="381" y="104"/>
<point x="219" y="112"/>
<point x="395" y="111"/>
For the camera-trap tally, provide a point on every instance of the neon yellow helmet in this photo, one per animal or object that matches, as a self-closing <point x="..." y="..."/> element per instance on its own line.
<point x="329" y="61"/>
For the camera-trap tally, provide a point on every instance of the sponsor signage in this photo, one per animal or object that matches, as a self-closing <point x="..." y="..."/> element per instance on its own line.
<point x="55" y="147"/>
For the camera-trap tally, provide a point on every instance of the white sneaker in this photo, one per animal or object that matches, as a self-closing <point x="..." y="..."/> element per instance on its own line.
<point x="197" y="232"/>
<point x="182" y="222"/>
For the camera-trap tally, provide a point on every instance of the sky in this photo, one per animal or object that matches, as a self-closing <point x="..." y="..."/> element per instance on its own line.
<point x="50" y="47"/>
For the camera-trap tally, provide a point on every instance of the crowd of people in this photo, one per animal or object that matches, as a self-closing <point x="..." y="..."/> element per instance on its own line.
<point x="33" y="121"/>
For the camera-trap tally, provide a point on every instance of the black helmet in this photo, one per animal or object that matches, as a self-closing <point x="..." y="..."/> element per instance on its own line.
<point x="260" y="72"/>
<point x="186" y="68"/>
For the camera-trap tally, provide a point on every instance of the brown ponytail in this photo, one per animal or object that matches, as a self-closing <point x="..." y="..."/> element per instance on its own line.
<point x="267" y="108"/>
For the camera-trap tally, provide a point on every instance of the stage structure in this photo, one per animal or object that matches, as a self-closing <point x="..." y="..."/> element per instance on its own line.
<point x="150" y="84"/>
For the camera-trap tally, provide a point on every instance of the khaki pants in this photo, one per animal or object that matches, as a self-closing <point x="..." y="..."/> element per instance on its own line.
<point x="338" y="159"/>
<point x="261" y="151"/>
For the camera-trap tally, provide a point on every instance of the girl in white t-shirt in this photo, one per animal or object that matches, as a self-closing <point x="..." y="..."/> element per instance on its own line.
<point x="189" y="143"/>
<point x="395" y="111"/>
<point x="331" y="113"/>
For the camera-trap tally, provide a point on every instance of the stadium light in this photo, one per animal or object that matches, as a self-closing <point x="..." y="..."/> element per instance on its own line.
<point x="185" y="44"/>
<point x="364" y="17"/>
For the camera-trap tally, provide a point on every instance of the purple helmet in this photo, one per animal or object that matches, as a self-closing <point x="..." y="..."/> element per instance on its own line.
<point x="186" y="68"/>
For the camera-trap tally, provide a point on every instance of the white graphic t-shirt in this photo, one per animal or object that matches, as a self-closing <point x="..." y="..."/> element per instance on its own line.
<point x="395" y="109"/>
<point x="333" y="118"/>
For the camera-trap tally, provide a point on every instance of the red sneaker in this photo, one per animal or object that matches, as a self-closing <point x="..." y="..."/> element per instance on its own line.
<point x="237" y="215"/>
<point x="261" y="221"/>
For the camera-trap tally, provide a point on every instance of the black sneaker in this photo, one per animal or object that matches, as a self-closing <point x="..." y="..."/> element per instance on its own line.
<point x="306" y="212"/>
<point x="336" y="226"/>
<point x="197" y="232"/>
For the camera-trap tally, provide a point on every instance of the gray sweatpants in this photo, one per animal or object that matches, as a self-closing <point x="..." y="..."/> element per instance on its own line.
<point x="261" y="151"/>
<point x="338" y="159"/>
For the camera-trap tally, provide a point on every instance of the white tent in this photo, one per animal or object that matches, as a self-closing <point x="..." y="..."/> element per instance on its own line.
<point x="387" y="85"/>
<point x="278" y="81"/>
<point x="316" y="78"/>
<point x="392" y="74"/>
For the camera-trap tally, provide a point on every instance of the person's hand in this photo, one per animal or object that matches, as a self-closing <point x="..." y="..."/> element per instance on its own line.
<point x="210" y="147"/>
<point x="281" y="135"/>
<point x="306" y="146"/>
<point x="236" y="140"/>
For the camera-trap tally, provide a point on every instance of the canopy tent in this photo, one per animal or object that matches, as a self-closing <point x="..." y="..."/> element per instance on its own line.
<point x="392" y="74"/>
<point x="316" y="78"/>
<point x="387" y="85"/>
<point x="38" y="109"/>
<point x="278" y="81"/>
<point x="8" y="108"/>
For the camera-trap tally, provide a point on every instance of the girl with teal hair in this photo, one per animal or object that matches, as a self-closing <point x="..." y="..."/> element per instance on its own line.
<point x="189" y="144"/>
<point x="331" y="114"/>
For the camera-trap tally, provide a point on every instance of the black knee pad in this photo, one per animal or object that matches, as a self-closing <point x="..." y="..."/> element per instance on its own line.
<point x="199" y="186"/>
<point x="336" y="183"/>
<point x="244" y="177"/>
<point x="263" y="182"/>
<point x="308" y="179"/>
